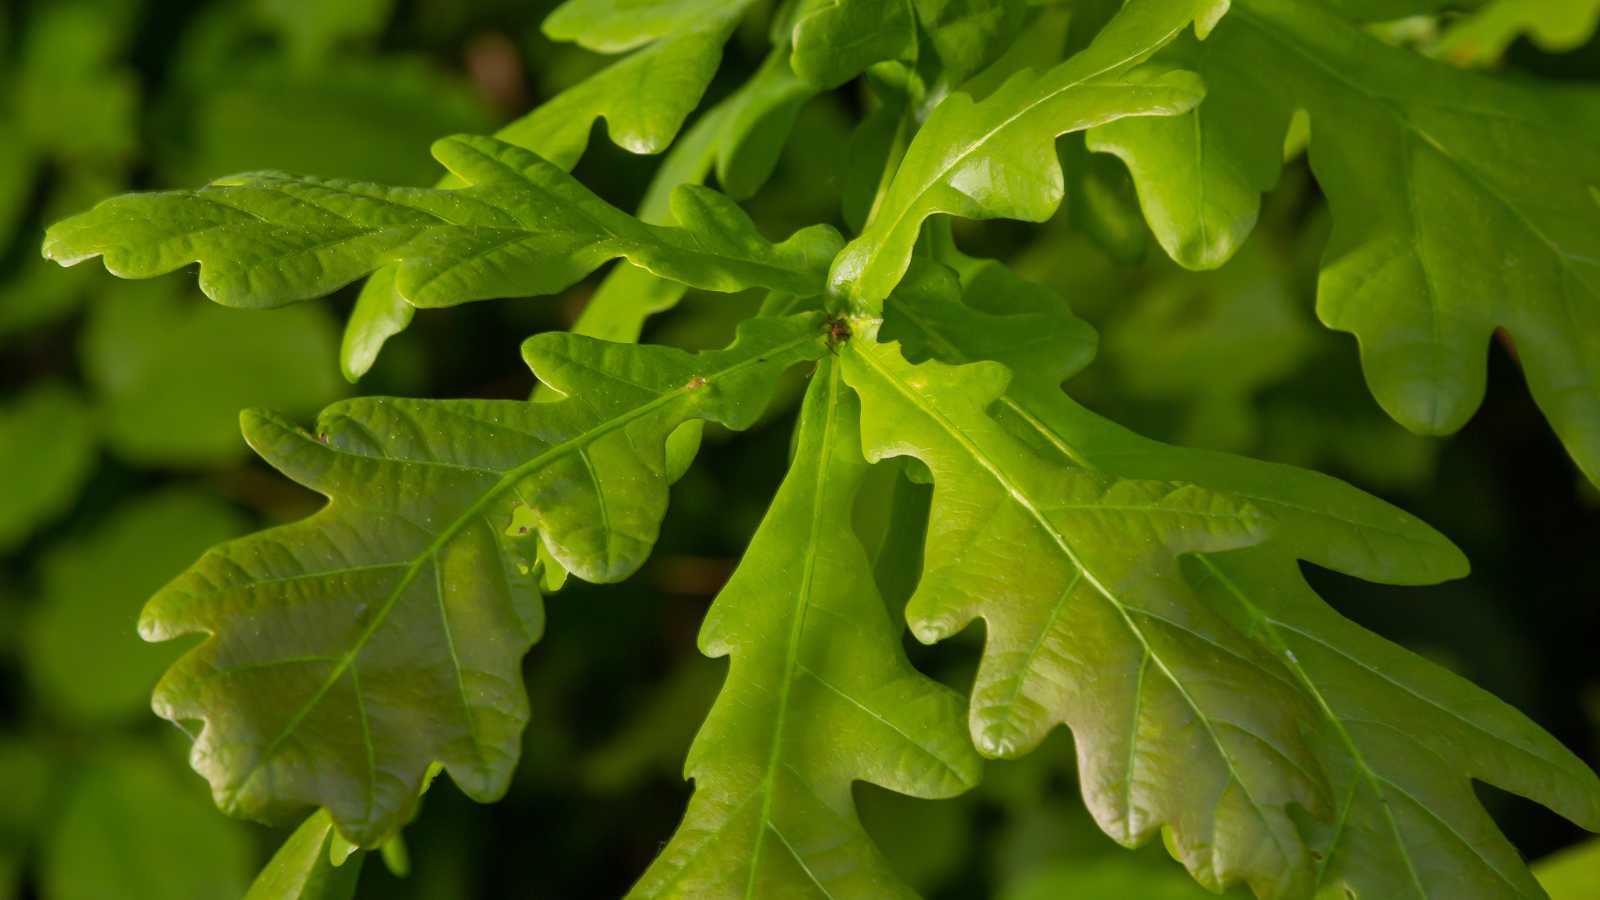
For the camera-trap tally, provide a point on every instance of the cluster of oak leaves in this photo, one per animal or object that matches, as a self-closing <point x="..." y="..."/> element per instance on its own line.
<point x="1147" y="596"/>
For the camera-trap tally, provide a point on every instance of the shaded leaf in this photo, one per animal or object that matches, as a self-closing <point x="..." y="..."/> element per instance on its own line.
<point x="1460" y="203"/>
<point x="1402" y="740"/>
<point x="171" y="373"/>
<point x="819" y="695"/>
<point x="354" y="119"/>
<point x="350" y="650"/>
<point x="47" y="451"/>
<point x="84" y="659"/>
<point x="312" y="28"/>
<point x="1482" y="37"/>
<point x="522" y="227"/>
<point x="129" y="830"/>
<point x="996" y="157"/>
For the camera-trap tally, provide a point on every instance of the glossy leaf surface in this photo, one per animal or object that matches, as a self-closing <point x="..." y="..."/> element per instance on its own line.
<point x="819" y="695"/>
<point x="1460" y="203"/>
<point x="996" y="158"/>
<point x="1401" y="739"/>
<point x="1179" y="720"/>
<point x="522" y="227"/>
<point x="1398" y="831"/>
<point x="350" y="650"/>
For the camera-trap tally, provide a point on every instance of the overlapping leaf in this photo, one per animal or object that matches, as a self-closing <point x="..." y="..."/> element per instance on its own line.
<point x="819" y="695"/>
<point x="521" y="227"/>
<point x="1461" y="203"/>
<point x="644" y="97"/>
<point x="836" y="40"/>
<point x="1179" y="719"/>
<point x="1482" y="37"/>
<point x="996" y="158"/>
<point x="1398" y="830"/>
<point x="1401" y="739"/>
<point x="350" y="650"/>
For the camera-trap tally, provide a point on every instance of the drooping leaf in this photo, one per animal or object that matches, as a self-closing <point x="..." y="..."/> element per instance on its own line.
<point x="81" y="645"/>
<point x="350" y="650"/>
<point x="1402" y="739"/>
<point x="1368" y="694"/>
<point x="522" y="227"/>
<point x="47" y="451"/>
<point x="819" y="695"/>
<point x="130" y="830"/>
<point x="1460" y="203"/>
<point x="1482" y="37"/>
<point x="171" y="373"/>
<point x="1179" y="719"/>
<point x="996" y="157"/>
<point x="302" y="868"/>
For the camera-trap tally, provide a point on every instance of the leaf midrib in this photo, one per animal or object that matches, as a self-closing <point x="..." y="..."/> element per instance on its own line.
<point x="797" y="620"/>
<point x="950" y="162"/>
<point x="1017" y="495"/>
<point x="448" y="533"/>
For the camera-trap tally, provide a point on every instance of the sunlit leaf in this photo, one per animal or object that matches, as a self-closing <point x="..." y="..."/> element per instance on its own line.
<point x="819" y="695"/>
<point x="350" y="650"/>
<point x="996" y="157"/>
<point x="522" y="227"/>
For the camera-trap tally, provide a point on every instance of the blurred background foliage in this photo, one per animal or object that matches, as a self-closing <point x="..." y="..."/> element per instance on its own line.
<point x="121" y="460"/>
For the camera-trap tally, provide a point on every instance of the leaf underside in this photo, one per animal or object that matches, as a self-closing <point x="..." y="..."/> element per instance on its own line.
<point x="350" y="650"/>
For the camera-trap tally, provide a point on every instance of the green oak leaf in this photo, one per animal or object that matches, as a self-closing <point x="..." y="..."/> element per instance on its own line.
<point x="521" y="227"/>
<point x="1179" y="719"/>
<point x="1402" y="739"/>
<point x="1460" y="203"/>
<point x="1439" y="842"/>
<point x="303" y="868"/>
<point x="996" y="157"/>
<point x="819" y="695"/>
<point x="643" y="97"/>
<point x="352" y="649"/>
<point x="836" y="40"/>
